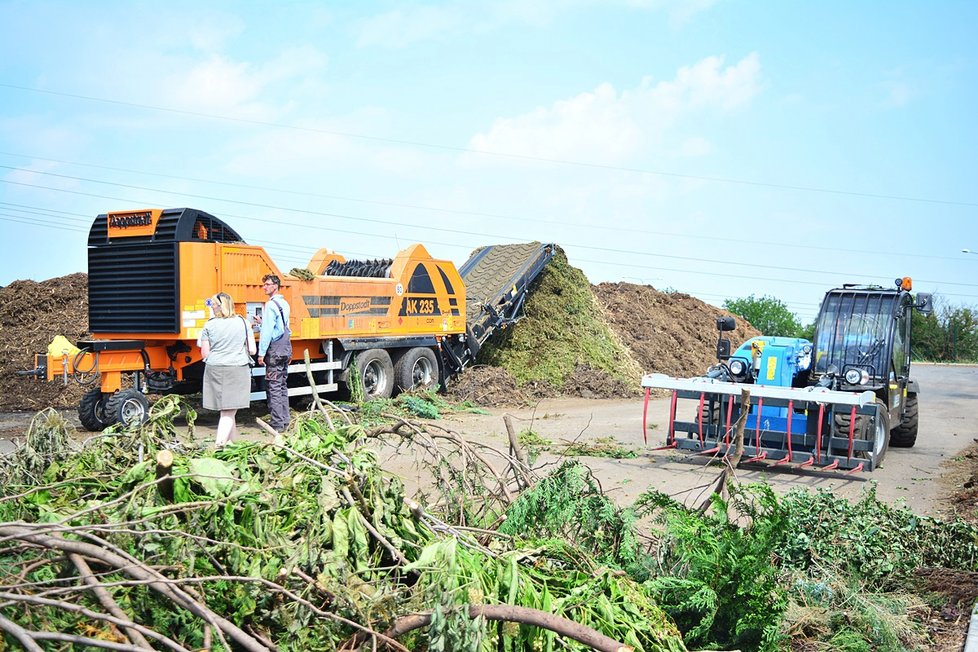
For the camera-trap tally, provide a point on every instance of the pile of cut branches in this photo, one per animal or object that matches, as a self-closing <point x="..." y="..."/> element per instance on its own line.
<point x="145" y="539"/>
<point x="142" y="539"/>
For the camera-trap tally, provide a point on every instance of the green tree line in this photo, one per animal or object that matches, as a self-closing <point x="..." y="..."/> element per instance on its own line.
<point x="949" y="334"/>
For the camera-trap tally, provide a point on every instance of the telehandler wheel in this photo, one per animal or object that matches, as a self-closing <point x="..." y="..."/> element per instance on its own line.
<point x="376" y="373"/>
<point x="416" y="369"/>
<point x="905" y="434"/>
<point x="708" y="416"/>
<point x="128" y="407"/>
<point x="91" y="411"/>
<point x="875" y="430"/>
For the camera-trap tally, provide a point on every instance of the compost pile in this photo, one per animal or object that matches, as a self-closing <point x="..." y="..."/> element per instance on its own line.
<point x="961" y="480"/>
<point x="667" y="332"/>
<point x="31" y="315"/>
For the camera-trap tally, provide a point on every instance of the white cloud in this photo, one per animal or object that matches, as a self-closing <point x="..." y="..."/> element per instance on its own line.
<point x="402" y="27"/>
<point x="708" y="83"/>
<point x="222" y="84"/>
<point x="695" y="147"/>
<point x="407" y="24"/>
<point x="598" y="123"/>
<point x="896" y="94"/>
<point x="607" y="127"/>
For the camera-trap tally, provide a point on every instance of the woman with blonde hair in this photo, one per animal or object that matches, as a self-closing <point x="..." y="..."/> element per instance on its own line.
<point x="226" y="344"/>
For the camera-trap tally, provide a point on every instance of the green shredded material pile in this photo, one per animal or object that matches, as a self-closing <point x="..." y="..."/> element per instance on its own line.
<point x="564" y="331"/>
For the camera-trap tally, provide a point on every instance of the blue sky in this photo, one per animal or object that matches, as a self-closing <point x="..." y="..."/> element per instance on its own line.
<point x="716" y="148"/>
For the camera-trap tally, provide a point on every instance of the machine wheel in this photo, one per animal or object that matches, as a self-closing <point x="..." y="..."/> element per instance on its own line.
<point x="128" y="407"/>
<point x="416" y="369"/>
<point x="376" y="373"/>
<point x="877" y="431"/>
<point x="91" y="411"/>
<point x="905" y="434"/>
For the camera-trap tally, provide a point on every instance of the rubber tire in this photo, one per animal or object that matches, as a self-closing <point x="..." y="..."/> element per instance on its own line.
<point x="417" y="368"/>
<point x="707" y="418"/>
<point x="905" y="434"/>
<point x="91" y="411"/>
<point x="376" y="373"/>
<point x="128" y="407"/>
<point x="880" y="432"/>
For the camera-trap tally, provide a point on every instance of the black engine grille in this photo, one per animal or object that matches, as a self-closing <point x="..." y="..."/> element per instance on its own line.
<point x="133" y="288"/>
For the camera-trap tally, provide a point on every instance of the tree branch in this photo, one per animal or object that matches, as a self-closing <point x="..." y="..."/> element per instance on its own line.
<point x="526" y="616"/>
<point x="106" y="600"/>
<point x="94" y="615"/>
<point x="20" y="634"/>
<point x="157" y="581"/>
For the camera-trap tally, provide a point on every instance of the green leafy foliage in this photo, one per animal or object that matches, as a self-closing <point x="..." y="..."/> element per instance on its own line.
<point x="569" y="504"/>
<point x="555" y="577"/>
<point x="313" y="514"/>
<point x="755" y="567"/>
<point x="48" y="441"/>
<point x="845" y="616"/>
<point x="600" y="447"/>
<point x="424" y="404"/>
<point x="534" y="444"/>
<point x="717" y="579"/>
<point x="419" y="406"/>
<point x="767" y="314"/>
<point x="949" y="334"/>
<point x="429" y="404"/>
<point x="871" y="540"/>
<point x="316" y="515"/>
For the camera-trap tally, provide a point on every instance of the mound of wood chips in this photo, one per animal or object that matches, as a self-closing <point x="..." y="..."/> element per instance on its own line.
<point x="31" y="314"/>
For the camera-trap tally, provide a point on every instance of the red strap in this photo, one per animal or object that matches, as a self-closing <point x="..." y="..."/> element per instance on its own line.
<point x="645" y="414"/>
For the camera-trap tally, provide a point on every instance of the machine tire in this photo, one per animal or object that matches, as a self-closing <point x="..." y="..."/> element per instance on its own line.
<point x="128" y="407"/>
<point x="905" y="434"/>
<point x="91" y="411"/>
<point x="708" y="417"/>
<point x="878" y="432"/>
<point x="376" y="373"/>
<point x="417" y="368"/>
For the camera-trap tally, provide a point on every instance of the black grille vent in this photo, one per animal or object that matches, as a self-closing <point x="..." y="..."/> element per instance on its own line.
<point x="132" y="288"/>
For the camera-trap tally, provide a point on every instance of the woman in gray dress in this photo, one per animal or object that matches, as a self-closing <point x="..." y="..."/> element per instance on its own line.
<point x="226" y="344"/>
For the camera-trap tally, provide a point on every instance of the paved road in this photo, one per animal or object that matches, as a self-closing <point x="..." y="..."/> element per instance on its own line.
<point x="948" y="424"/>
